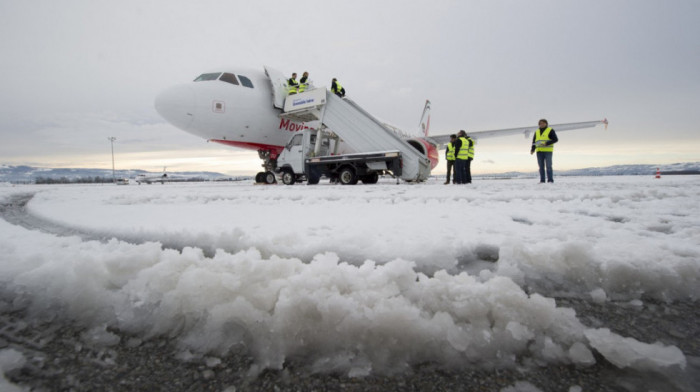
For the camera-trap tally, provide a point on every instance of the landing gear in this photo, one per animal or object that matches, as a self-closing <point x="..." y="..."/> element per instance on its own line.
<point x="270" y="178"/>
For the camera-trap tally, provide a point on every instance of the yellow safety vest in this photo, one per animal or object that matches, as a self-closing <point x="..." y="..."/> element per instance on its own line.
<point x="293" y="86"/>
<point x="336" y="88"/>
<point x="464" y="150"/>
<point x="543" y="136"/>
<point x="470" y="151"/>
<point x="450" y="151"/>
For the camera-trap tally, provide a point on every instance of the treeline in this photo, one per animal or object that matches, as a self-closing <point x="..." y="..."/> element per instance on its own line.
<point x="680" y="172"/>
<point x="78" y="180"/>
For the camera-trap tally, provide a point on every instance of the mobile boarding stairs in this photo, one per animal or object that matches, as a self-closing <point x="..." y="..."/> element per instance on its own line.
<point x="358" y="129"/>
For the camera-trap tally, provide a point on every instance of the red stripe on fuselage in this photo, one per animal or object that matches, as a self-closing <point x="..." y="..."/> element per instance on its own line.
<point x="274" y="150"/>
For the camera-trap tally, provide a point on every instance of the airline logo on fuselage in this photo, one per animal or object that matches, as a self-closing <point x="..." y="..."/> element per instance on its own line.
<point x="288" y="125"/>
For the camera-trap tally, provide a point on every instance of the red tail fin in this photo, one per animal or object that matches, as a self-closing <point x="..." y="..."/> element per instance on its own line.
<point x="425" y="119"/>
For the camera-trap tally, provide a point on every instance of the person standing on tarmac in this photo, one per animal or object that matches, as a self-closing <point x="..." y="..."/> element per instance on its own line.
<point x="461" y="154"/>
<point x="470" y="158"/>
<point x="292" y="84"/>
<point x="337" y="89"/>
<point x="543" y="142"/>
<point x="450" y="159"/>
<point x="304" y="82"/>
<point x="464" y="155"/>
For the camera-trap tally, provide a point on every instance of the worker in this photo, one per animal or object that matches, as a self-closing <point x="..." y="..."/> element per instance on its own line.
<point x="337" y="89"/>
<point x="304" y="82"/>
<point x="461" y="155"/>
<point x="470" y="158"/>
<point x="292" y="84"/>
<point x="450" y="158"/>
<point x="543" y="142"/>
<point x="464" y="154"/>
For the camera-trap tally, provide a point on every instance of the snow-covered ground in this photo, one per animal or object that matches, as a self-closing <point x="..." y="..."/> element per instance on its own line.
<point x="362" y="279"/>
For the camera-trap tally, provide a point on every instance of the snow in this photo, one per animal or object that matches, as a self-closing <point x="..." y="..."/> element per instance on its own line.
<point x="10" y="359"/>
<point x="361" y="279"/>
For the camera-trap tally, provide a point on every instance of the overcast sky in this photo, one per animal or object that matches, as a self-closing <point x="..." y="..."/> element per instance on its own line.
<point x="77" y="72"/>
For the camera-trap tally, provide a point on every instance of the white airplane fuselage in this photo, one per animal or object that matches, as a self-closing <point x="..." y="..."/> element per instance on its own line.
<point x="230" y="114"/>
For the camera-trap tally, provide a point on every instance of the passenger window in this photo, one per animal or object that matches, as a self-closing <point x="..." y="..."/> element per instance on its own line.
<point x="207" y="76"/>
<point x="229" y="78"/>
<point x="245" y="81"/>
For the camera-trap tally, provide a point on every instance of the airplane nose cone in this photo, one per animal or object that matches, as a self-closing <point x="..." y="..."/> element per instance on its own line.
<point x="176" y="105"/>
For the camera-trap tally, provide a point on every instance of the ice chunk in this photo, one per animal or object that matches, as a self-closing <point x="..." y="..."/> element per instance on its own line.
<point x="628" y="352"/>
<point x="598" y="295"/>
<point x="580" y="354"/>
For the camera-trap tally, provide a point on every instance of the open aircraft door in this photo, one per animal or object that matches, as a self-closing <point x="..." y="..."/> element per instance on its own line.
<point x="279" y="86"/>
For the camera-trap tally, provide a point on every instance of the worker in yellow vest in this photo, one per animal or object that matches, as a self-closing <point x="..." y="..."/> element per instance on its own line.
<point x="337" y="89"/>
<point x="450" y="158"/>
<point x="470" y="158"/>
<point x="292" y="84"/>
<point x="462" y="159"/>
<point x="543" y="143"/>
<point x="466" y="154"/>
<point x="304" y="82"/>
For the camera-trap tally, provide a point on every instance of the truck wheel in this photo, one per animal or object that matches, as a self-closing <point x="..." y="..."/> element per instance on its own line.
<point x="314" y="175"/>
<point x="288" y="177"/>
<point x="313" y="180"/>
<point x="371" y="178"/>
<point x="270" y="178"/>
<point x="347" y="176"/>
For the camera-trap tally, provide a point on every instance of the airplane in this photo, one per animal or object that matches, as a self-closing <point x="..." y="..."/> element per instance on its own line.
<point x="241" y="108"/>
<point x="163" y="178"/>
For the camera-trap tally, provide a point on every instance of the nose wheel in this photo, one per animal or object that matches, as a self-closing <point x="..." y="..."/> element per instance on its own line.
<point x="268" y="176"/>
<point x="265" y="178"/>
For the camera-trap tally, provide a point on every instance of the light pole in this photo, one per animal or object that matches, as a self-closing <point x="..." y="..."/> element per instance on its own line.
<point x="112" y="139"/>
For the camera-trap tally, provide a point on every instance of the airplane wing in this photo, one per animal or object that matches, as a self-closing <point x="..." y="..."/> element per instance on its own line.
<point x="441" y="140"/>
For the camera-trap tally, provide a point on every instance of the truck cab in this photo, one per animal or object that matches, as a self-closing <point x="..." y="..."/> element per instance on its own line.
<point x="301" y="146"/>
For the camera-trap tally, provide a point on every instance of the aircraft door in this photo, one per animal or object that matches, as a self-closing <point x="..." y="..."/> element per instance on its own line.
<point x="279" y="86"/>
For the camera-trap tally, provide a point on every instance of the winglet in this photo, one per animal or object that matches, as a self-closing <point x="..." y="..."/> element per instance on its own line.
<point x="425" y="119"/>
<point x="605" y="121"/>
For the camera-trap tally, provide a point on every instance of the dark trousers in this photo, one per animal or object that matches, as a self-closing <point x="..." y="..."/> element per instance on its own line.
<point x="450" y="165"/>
<point x="544" y="161"/>
<point x="460" y="171"/>
<point x="468" y="171"/>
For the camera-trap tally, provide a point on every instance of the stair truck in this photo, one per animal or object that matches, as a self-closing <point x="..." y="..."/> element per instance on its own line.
<point x="310" y="155"/>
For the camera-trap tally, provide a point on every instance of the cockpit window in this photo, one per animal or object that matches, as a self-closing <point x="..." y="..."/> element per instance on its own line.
<point x="208" y="76"/>
<point x="229" y="78"/>
<point x="245" y="81"/>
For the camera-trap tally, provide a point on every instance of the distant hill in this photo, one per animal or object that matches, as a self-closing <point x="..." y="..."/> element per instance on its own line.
<point x="29" y="174"/>
<point x="617" y="170"/>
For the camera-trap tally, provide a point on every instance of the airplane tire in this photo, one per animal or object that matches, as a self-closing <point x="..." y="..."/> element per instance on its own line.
<point x="371" y="178"/>
<point x="288" y="177"/>
<point x="260" y="177"/>
<point x="270" y="178"/>
<point x="347" y="176"/>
